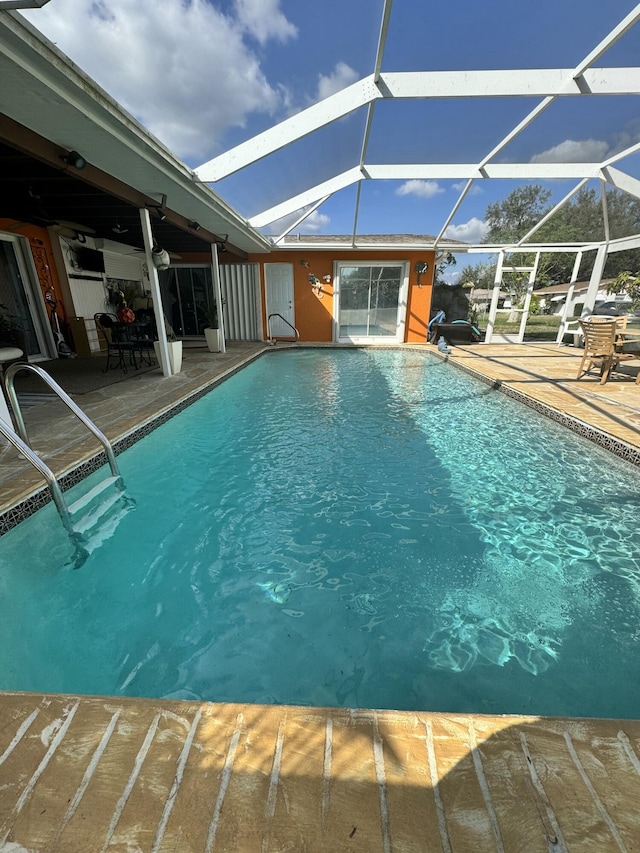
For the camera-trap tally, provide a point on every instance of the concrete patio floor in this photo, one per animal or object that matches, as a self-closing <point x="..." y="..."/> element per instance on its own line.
<point x="94" y="774"/>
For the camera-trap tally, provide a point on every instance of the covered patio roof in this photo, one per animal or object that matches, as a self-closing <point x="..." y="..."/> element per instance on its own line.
<point x="49" y="108"/>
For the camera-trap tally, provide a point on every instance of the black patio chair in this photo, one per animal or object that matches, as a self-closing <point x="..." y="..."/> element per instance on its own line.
<point x="118" y="343"/>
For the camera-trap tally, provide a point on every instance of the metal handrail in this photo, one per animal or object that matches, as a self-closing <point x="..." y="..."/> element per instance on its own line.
<point x="284" y="320"/>
<point x="54" y="487"/>
<point x="10" y="374"/>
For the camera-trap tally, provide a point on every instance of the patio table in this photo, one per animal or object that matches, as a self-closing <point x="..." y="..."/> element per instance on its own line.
<point x="628" y="342"/>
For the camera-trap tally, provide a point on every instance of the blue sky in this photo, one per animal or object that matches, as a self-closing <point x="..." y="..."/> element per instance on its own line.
<point x="207" y="74"/>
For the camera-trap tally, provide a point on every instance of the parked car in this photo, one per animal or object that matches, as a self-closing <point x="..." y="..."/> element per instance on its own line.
<point x="611" y="309"/>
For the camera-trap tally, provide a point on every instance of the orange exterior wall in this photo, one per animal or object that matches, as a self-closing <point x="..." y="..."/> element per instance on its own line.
<point x="314" y="316"/>
<point x="42" y="252"/>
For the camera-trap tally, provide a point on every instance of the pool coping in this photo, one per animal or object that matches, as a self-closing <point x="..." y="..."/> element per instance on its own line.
<point x="40" y="497"/>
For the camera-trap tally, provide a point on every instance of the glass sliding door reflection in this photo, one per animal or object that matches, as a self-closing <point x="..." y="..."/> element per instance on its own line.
<point x="369" y="298"/>
<point x="186" y="293"/>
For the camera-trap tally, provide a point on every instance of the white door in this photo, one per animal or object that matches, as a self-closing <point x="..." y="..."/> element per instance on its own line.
<point x="278" y="283"/>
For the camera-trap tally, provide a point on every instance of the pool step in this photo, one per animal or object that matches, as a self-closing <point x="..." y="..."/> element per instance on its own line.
<point x="105" y="530"/>
<point x="96" y="515"/>
<point x="92" y="494"/>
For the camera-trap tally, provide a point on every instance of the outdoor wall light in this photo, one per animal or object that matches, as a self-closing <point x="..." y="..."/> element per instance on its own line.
<point x="221" y="245"/>
<point x="195" y="225"/>
<point x="420" y="269"/>
<point x="158" y="209"/>
<point x="74" y="159"/>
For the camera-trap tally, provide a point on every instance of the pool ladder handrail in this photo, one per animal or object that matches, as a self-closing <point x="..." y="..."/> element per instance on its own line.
<point x="20" y="440"/>
<point x="284" y="320"/>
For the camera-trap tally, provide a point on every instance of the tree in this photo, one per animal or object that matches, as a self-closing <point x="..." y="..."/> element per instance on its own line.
<point x="442" y="265"/>
<point x="510" y="219"/>
<point x="629" y="283"/>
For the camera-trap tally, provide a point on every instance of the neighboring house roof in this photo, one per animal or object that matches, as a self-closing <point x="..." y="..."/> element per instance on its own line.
<point x="414" y="241"/>
<point x="478" y="294"/>
<point x="557" y="289"/>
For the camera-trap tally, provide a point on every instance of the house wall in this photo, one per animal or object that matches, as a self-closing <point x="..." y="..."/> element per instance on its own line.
<point x="314" y="316"/>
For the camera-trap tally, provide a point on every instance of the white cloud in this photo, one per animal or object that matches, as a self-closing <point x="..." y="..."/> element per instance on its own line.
<point x="574" y="151"/>
<point x="341" y="76"/>
<point x="424" y="189"/>
<point x="473" y="231"/>
<point x="476" y="189"/>
<point x="182" y="68"/>
<point x="313" y="224"/>
<point x="264" y="20"/>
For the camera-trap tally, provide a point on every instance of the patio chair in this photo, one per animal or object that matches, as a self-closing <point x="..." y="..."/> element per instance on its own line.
<point x="600" y="336"/>
<point x="572" y="327"/>
<point x="118" y="346"/>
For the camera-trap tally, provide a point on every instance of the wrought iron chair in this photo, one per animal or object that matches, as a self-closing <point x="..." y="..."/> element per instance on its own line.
<point x="117" y="343"/>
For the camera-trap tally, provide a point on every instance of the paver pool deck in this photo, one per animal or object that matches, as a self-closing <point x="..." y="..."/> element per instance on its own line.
<point x="109" y="773"/>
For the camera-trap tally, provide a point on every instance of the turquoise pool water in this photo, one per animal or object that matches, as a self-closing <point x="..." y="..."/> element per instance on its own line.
<point x="358" y="528"/>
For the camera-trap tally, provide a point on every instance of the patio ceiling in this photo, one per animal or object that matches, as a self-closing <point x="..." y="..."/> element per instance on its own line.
<point x="353" y="132"/>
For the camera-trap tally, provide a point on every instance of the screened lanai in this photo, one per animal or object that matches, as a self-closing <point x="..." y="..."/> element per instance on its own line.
<point x="458" y="106"/>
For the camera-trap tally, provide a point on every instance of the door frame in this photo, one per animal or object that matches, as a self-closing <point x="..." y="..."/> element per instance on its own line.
<point x="402" y="301"/>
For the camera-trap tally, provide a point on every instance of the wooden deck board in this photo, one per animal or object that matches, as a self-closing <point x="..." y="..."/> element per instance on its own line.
<point x="97" y="773"/>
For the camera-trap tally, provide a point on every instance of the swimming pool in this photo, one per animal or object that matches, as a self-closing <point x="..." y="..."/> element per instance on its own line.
<point x="367" y="528"/>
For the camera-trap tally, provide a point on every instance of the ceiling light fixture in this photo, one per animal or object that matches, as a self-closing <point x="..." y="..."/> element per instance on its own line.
<point x="74" y="159"/>
<point x="119" y="229"/>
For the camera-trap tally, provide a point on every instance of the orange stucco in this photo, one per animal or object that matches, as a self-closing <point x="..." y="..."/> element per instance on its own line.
<point x="42" y="252"/>
<point x="314" y="315"/>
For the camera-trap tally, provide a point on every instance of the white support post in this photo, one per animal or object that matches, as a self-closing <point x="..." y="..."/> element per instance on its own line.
<point x="567" y="311"/>
<point x="493" y="310"/>
<point x="158" y="309"/>
<point x="527" y="299"/>
<point x="595" y="280"/>
<point x="217" y="292"/>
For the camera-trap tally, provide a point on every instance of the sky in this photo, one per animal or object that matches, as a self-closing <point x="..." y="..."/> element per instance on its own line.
<point x="205" y="75"/>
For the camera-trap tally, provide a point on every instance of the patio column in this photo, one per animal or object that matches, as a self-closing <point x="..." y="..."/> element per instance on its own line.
<point x="158" y="309"/>
<point x="595" y="280"/>
<point x="217" y="292"/>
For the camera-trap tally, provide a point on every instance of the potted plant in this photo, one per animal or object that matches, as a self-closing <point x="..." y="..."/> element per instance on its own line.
<point x="173" y="345"/>
<point x="212" y="326"/>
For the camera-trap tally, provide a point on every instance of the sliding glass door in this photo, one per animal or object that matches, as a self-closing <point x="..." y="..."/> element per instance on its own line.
<point x="21" y="303"/>
<point x="371" y="301"/>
